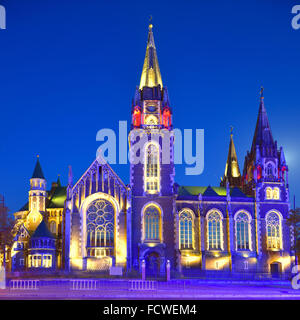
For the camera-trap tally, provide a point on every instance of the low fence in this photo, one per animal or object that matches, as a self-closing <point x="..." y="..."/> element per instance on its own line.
<point x="142" y="285"/>
<point x="24" y="284"/>
<point x="128" y="284"/>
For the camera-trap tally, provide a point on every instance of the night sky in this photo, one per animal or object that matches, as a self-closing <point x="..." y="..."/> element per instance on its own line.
<point x="70" y="68"/>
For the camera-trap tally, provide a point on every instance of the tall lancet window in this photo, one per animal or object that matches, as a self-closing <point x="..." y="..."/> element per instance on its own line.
<point x="214" y="234"/>
<point x="273" y="223"/>
<point x="152" y="223"/>
<point x="151" y="174"/>
<point x="186" y="229"/>
<point x="243" y="231"/>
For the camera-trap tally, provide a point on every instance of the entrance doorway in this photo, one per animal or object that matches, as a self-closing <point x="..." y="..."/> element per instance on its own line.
<point x="275" y="269"/>
<point x="152" y="265"/>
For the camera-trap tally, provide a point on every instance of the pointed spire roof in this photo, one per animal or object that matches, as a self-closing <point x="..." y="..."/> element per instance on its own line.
<point x="38" y="172"/>
<point x="263" y="134"/>
<point x="42" y="231"/>
<point x="58" y="181"/>
<point x="232" y="171"/>
<point x="151" y="76"/>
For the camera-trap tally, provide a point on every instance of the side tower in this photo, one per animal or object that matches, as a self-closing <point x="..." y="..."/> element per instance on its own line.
<point x="265" y="177"/>
<point x="151" y="223"/>
<point x="37" y="198"/>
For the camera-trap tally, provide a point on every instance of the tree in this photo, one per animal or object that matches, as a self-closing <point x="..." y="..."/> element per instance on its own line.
<point x="6" y="224"/>
<point x="294" y="222"/>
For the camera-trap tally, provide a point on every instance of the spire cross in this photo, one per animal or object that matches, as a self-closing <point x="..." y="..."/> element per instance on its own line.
<point x="231" y="130"/>
<point x="261" y="91"/>
<point x="150" y="23"/>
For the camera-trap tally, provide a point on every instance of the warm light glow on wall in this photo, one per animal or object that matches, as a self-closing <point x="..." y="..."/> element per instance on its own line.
<point x="121" y="252"/>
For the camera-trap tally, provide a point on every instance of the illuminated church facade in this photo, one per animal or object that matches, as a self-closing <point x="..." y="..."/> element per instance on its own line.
<point x="98" y="223"/>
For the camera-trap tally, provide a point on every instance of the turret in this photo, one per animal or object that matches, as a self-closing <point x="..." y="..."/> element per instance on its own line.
<point x="232" y="175"/>
<point x="37" y="197"/>
<point x="264" y="163"/>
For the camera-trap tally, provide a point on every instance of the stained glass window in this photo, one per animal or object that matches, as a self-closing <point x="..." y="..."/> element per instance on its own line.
<point x="100" y="226"/>
<point x="186" y="230"/>
<point x="151" y="223"/>
<point x="273" y="231"/>
<point x="152" y="168"/>
<point x="242" y="225"/>
<point x="214" y="224"/>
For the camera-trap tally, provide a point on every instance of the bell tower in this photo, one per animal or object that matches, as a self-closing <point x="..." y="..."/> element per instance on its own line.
<point x="151" y="141"/>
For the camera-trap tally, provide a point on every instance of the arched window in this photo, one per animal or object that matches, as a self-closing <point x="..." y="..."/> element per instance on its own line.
<point x="269" y="170"/>
<point x="269" y="193"/>
<point x="152" y="223"/>
<point x="273" y="223"/>
<point x="53" y="227"/>
<point x="186" y="229"/>
<point x="152" y="168"/>
<point x="243" y="231"/>
<point x="276" y="195"/>
<point x="100" y="226"/>
<point x="214" y="228"/>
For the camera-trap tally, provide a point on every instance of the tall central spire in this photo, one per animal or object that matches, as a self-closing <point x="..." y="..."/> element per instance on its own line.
<point x="151" y="76"/>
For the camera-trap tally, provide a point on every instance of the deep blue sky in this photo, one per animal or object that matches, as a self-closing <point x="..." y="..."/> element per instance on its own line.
<point x="69" y="68"/>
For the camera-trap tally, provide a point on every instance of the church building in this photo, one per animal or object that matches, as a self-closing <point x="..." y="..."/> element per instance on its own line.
<point x="98" y="223"/>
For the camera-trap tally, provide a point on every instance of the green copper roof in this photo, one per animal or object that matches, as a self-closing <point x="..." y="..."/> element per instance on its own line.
<point x="42" y="231"/>
<point x="58" y="198"/>
<point x="38" y="172"/>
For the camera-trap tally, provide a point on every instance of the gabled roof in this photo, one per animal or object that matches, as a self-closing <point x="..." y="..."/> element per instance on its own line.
<point x="151" y="76"/>
<point x="210" y="192"/>
<point x="205" y="191"/>
<point x="237" y="193"/>
<point x="42" y="231"/>
<point x="192" y="192"/>
<point x="38" y="172"/>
